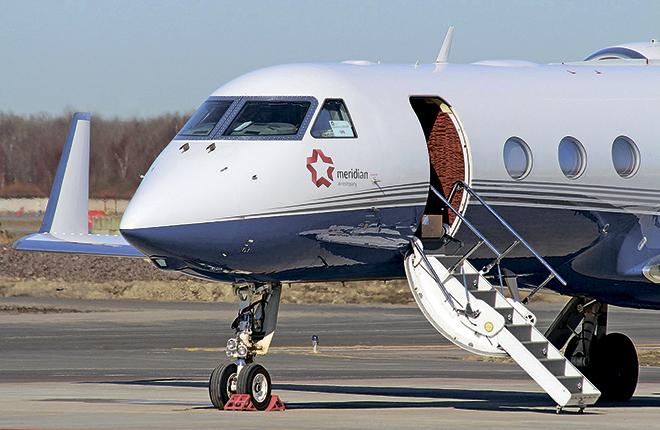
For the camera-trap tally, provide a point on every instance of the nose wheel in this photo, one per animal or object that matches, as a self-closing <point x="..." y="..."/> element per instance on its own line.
<point x="223" y="383"/>
<point x="254" y="380"/>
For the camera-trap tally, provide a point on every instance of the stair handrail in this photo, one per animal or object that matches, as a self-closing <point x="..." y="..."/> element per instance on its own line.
<point x="467" y="223"/>
<point x="460" y="185"/>
<point x="467" y="311"/>
<point x="433" y="273"/>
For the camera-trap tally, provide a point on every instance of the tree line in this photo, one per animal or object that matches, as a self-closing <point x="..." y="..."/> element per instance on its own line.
<point x="121" y="151"/>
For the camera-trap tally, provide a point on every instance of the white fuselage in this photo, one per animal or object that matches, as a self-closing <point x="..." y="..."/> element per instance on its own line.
<point x="268" y="180"/>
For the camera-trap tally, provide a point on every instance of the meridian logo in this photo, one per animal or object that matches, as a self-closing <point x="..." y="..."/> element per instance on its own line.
<point x="322" y="169"/>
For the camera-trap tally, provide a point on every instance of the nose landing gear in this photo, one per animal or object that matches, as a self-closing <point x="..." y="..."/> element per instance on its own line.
<point x="255" y="326"/>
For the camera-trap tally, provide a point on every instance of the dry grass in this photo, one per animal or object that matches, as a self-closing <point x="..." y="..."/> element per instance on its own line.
<point x="391" y="292"/>
<point x="648" y="357"/>
<point x="394" y="292"/>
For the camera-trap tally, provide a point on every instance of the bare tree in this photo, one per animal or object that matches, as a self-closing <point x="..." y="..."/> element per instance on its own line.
<point x="122" y="150"/>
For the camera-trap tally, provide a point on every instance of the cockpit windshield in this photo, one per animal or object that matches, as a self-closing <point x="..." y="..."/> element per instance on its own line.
<point x="205" y="119"/>
<point x="269" y="118"/>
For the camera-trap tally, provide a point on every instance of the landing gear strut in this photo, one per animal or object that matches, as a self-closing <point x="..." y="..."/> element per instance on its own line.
<point x="608" y="360"/>
<point x="255" y="327"/>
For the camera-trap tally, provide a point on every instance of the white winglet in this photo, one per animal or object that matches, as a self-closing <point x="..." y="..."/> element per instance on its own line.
<point x="65" y="224"/>
<point x="443" y="55"/>
<point x="69" y="198"/>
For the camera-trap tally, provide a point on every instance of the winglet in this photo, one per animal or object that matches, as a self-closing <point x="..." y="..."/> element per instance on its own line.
<point x="65" y="226"/>
<point x="68" y="204"/>
<point x="443" y="55"/>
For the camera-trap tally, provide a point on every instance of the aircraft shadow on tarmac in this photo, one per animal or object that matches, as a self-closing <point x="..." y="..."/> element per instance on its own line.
<point x="469" y="399"/>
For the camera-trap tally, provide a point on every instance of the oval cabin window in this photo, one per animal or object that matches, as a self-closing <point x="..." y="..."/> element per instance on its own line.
<point x="625" y="156"/>
<point x="517" y="158"/>
<point x="572" y="157"/>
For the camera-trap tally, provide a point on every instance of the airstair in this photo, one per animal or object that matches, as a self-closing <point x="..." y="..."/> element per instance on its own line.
<point x="463" y="305"/>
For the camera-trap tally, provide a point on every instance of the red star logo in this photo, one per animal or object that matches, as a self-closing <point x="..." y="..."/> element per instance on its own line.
<point x="321" y="169"/>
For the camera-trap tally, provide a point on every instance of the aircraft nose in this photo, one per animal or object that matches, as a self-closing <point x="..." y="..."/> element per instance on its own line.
<point x="138" y="221"/>
<point x="141" y="210"/>
<point x="164" y="216"/>
<point x="142" y="226"/>
<point x="160" y="195"/>
<point x="148" y="215"/>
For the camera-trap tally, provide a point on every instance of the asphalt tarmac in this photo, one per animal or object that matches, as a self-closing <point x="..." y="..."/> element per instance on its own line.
<point x="123" y="364"/>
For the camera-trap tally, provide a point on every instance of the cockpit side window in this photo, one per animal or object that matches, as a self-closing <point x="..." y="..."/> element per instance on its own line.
<point x="206" y="118"/>
<point x="269" y="118"/>
<point x="333" y="121"/>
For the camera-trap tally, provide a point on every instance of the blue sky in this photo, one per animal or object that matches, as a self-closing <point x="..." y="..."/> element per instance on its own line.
<point x="143" y="58"/>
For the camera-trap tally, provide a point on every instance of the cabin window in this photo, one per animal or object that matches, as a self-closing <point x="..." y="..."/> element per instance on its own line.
<point x="333" y="121"/>
<point x="625" y="156"/>
<point x="205" y="118"/>
<point x="517" y="158"/>
<point x="572" y="157"/>
<point x="269" y="118"/>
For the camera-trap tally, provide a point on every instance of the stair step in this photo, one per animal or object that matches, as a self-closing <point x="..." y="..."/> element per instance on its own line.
<point x="539" y="349"/>
<point x="573" y="384"/>
<point x="556" y="366"/>
<point x="488" y="296"/>
<point x="522" y="332"/>
<point x="471" y="280"/>
<point x="507" y="313"/>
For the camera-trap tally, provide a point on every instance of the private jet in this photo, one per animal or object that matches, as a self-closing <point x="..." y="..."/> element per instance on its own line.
<point x="478" y="183"/>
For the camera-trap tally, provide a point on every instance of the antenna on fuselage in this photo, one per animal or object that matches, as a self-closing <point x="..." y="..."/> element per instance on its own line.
<point x="443" y="55"/>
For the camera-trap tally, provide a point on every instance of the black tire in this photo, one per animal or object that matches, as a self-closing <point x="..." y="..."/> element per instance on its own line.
<point x="615" y="367"/>
<point x="220" y="384"/>
<point x="255" y="381"/>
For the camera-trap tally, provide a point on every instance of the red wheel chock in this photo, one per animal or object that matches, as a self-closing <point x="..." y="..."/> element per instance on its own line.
<point x="242" y="402"/>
